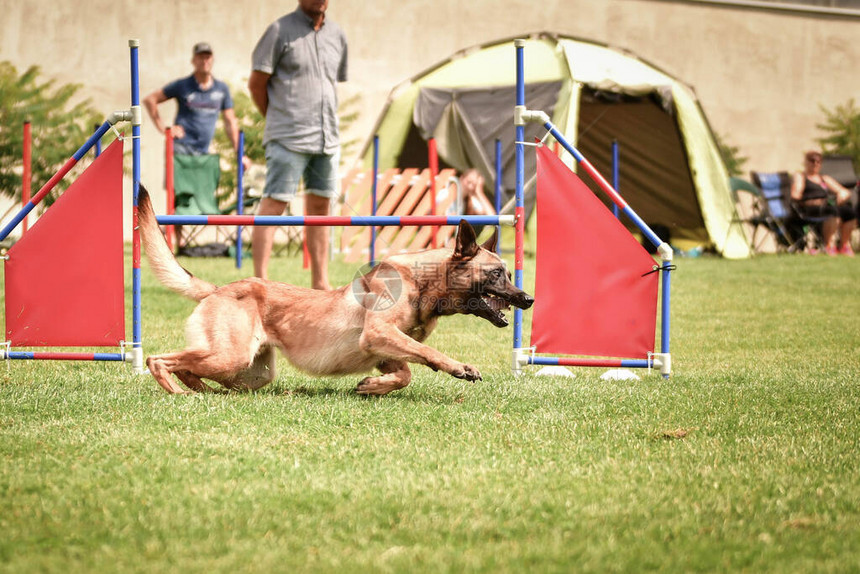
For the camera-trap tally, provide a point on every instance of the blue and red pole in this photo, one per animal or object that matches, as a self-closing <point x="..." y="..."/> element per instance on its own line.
<point x="50" y="356"/>
<point x="27" y="175"/>
<point x="240" y="194"/>
<point x="98" y="151"/>
<point x="373" y="191"/>
<point x="137" y="348"/>
<point x="498" y="193"/>
<point x="519" y="211"/>
<point x="581" y="362"/>
<point x="329" y="220"/>
<point x="615" y="175"/>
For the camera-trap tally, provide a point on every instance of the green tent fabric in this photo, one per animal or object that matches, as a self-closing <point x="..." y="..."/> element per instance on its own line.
<point x="195" y="180"/>
<point x="671" y="170"/>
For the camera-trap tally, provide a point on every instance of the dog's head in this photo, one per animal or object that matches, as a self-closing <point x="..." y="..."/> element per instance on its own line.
<point x="478" y="280"/>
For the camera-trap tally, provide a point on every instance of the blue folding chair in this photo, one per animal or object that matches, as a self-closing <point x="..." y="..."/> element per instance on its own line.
<point x="792" y="228"/>
<point x="774" y="208"/>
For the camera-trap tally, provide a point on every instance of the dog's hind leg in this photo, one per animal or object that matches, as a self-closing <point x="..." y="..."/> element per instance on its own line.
<point x="193" y="382"/>
<point x="160" y="370"/>
<point x="194" y="364"/>
<point x="396" y="375"/>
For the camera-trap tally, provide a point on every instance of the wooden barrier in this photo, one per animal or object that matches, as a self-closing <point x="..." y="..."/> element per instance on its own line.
<point x="398" y="193"/>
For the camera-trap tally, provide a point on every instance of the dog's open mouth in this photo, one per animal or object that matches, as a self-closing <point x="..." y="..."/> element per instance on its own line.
<point x="490" y="308"/>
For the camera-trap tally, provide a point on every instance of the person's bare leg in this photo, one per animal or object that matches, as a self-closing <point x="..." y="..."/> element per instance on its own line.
<point x="317" y="238"/>
<point x="828" y="233"/>
<point x="263" y="236"/>
<point x="845" y="231"/>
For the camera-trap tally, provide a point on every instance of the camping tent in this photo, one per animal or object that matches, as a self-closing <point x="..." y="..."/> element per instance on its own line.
<point x="671" y="171"/>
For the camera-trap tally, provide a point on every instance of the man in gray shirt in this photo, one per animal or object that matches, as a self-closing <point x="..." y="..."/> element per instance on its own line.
<point x="296" y="66"/>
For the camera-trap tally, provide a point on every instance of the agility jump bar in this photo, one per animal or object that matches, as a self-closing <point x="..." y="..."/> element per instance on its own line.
<point x="335" y="220"/>
<point x="49" y="356"/>
<point x="580" y="362"/>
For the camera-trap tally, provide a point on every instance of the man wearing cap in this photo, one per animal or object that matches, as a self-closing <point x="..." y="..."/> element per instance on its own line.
<point x="200" y="97"/>
<point x="295" y="69"/>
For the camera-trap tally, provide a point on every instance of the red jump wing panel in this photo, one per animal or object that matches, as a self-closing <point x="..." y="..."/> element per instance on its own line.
<point x="64" y="278"/>
<point x="593" y="293"/>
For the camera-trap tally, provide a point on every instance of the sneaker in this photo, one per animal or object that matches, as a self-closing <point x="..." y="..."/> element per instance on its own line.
<point x="812" y="251"/>
<point x="846" y="250"/>
<point x="831" y="251"/>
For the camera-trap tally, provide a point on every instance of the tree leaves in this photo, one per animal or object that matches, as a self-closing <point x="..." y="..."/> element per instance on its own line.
<point x="842" y="126"/>
<point x="59" y="127"/>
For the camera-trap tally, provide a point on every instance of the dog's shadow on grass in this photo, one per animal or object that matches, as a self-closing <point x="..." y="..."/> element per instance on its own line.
<point x="348" y="393"/>
<point x="313" y="392"/>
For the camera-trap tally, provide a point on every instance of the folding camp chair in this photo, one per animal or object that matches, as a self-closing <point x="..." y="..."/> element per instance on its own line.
<point x="795" y="231"/>
<point x="841" y="168"/>
<point x="195" y="180"/>
<point x="195" y="183"/>
<point x="751" y="216"/>
<point x="774" y="205"/>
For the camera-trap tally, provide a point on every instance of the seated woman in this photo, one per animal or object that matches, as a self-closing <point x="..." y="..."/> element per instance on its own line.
<point x="818" y="195"/>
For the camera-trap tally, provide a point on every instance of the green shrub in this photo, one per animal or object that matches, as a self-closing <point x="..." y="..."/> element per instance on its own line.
<point x="56" y="122"/>
<point x="842" y="129"/>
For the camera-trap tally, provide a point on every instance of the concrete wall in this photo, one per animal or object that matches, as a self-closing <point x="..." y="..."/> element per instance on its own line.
<point x="760" y="75"/>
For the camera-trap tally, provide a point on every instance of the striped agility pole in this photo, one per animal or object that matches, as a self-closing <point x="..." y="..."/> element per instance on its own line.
<point x="135" y="113"/>
<point x="580" y="362"/>
<point x="27" y="175"/>
<point x="332" y="220"/>
<point x="519" y="158"/>
<point x="497" y="192"/>
<point x="615" y="173"/>
<point x="433" y="160"/>
<point x="240" y="194"/>
<point x="60" y="356"/>
<point x="373" y="198"/>
<point x="98" y="151"/>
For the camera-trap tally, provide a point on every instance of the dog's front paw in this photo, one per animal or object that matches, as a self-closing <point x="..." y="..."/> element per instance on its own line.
<point x="467" y="372"/>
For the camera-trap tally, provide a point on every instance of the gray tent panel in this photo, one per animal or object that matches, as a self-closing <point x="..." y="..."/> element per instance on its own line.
<point x="467" y="122"/>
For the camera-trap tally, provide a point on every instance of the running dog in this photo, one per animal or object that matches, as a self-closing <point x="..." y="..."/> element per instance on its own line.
<point x="379" y="321"/>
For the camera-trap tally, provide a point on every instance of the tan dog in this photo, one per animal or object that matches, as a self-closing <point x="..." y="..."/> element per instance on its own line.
<point x="379" y="320"/>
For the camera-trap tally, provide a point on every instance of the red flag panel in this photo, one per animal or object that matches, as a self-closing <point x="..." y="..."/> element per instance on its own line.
<point x="64" y="277"/>
<point x="591" y="297"/>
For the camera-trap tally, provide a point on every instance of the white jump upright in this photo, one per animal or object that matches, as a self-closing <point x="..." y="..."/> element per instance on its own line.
<point x="525" y="356"/>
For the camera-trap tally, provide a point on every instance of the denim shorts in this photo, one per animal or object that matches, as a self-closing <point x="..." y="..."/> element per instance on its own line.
<point x="285" y="168"/>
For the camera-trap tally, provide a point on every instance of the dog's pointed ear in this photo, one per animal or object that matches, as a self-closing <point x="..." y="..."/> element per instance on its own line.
<point x="490" y="244"/>
<point x="466" y="245"/>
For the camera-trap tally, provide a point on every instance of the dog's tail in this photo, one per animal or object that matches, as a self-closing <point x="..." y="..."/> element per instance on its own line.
<point x="171" y="274"/>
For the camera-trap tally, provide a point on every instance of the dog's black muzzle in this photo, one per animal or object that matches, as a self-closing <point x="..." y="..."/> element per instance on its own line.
<point x="522" y="300"/>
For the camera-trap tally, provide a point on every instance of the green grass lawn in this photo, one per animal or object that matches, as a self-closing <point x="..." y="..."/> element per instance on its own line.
<point x="746" y="459"/>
